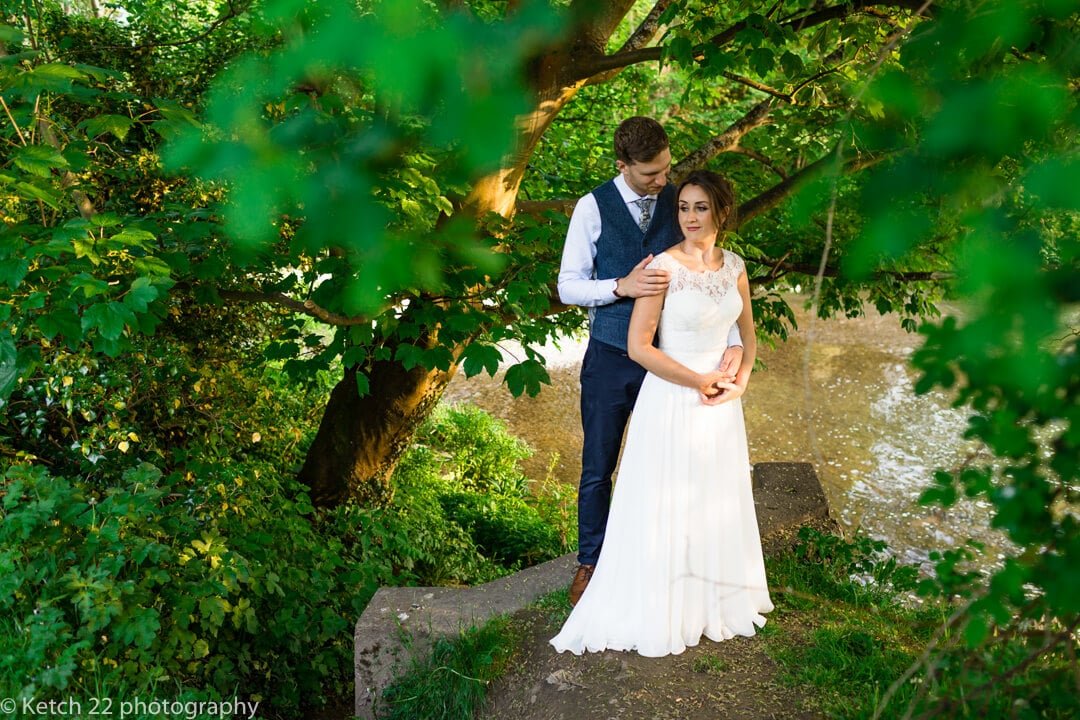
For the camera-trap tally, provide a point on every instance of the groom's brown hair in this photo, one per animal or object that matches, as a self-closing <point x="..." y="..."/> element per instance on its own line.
<point x="639" y="139"/>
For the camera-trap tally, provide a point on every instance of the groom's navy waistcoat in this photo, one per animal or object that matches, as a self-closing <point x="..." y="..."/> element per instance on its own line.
<point x="620" y="247"/>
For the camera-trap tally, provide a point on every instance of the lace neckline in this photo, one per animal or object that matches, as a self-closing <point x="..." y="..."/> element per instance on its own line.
<point x="707" y="271"/>
<point x="714" y="283"/>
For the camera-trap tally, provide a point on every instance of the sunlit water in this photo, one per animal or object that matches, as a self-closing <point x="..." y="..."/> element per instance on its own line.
<point x="854" y="415"/>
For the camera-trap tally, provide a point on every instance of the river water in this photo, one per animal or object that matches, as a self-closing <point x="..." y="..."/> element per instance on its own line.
<point x="838" y="394"/>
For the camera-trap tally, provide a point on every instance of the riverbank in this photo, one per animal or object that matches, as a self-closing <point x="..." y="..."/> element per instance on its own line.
<point x="831" y="648"/>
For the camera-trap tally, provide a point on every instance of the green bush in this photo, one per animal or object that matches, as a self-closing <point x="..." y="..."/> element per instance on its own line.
<point x="475" y="450"/>
<point x="165" y="550"/>
<point x="445" y="554"/>
<point x="211" y="582"/>
<point x="464" y="473"/>
<point x="505" y="529"/>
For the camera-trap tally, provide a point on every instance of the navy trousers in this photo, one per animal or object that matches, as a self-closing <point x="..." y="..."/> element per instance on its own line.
<point x="610" y="381"/>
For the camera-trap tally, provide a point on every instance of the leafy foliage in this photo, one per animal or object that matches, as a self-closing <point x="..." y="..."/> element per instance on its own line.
<point x="990" y="169"/>
<point x="345" y="182"/>
<point x="207" y="567"/>
<point x="471" y="471"/>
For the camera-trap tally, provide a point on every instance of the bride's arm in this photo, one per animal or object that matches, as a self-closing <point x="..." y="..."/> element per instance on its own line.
<point x="746" y="330"/>
<point x="643" y="324"/>
<point x="745" y="324"/>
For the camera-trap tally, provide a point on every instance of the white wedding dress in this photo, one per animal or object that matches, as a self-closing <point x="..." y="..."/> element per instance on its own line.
<point x="681" y="554"/>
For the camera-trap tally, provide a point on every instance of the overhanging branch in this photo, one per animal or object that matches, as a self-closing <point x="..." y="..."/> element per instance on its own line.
<point x="811" y="269"/>
<point x="303" y="307"/>
<point x="616" y="61"/>
<point x="725" y="141"/>
<point x="781" y="191"/>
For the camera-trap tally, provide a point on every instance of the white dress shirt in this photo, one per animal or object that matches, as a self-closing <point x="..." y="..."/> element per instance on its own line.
<point x="578" y="284"/>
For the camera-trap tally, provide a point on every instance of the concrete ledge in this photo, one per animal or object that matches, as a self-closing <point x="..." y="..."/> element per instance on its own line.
<point x="786" y="495"/>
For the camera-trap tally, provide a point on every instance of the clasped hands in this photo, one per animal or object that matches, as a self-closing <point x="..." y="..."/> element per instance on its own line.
<point x="719" y="386"/>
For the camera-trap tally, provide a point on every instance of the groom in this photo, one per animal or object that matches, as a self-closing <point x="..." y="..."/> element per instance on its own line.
<point x="614" y="233"/>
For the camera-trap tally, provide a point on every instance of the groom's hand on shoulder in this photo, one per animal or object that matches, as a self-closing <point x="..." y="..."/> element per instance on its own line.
<point x="642" y="281"/>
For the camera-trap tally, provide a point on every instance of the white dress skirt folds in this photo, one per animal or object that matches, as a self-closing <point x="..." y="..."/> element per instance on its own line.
<point x="682" y="553"/>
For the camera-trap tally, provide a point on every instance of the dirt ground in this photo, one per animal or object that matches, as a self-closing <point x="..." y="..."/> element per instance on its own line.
<point x="732" y="680"/>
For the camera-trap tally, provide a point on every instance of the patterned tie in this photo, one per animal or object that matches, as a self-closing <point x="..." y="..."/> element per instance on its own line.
<point x="645" y="204"/>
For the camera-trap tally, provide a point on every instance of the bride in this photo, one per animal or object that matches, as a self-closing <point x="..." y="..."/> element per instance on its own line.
<point x="682" y="554"/>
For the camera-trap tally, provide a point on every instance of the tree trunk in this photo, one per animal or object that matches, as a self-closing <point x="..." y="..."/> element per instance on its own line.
<point x="361" y="439"/>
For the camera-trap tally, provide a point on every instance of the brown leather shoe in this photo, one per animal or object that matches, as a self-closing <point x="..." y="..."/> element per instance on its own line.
<point x="581" y="581"/>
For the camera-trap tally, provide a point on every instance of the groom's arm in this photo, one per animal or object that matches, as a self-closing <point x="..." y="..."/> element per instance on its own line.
<point x="734" y="338"/>
<point x="732" y="360"/>
<point x="578" y="284"/>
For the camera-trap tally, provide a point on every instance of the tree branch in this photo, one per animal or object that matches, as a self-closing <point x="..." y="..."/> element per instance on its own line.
<point x="839" y="11"/>
<point x="816" y="76"/>
<point x="642" y="36"/>
<point x="725" y="141"/>
<point x="778" y="193"/>
<point x="619" y="60"/>
<point x="538" y="207"/>
<point x="763" y="159"/>
<point x="304" y="307"/>
<point x="234" y="11"/>
<point x="67" y="178"/>
<point x="759" y="86"/>
<point x="647" y="29"/>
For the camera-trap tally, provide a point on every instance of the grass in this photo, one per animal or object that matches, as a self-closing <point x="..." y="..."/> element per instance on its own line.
<point x="710" y="664"/>
<point x="450" y="682"/>
<point x="844" y="642"/>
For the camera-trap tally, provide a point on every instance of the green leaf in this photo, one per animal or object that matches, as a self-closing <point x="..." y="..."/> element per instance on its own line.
<point x="90" y="285"/>
<point x="791" y="64"/>
<point x="60" y="322"/>
<point x="680" y="51"/>
<point x="477" y="357"/>
<point x="976" y="631"/>
<point x="53" y="77"/>
<point x="1055" y="183"/>
<point x="438" y="357"/>
<point x="762" y="61"/>
<point x="408" y="355"/>
<point x="132" y="237"/>
<point x="141" y="294"/>
<point x="9" y="365"/>
<point x="527" y="376"/>
<point x="10" y="34"/>
<point x="13" y="270"/>
<point x="33" y="192"/>
<point x="118" y="125"/>
<point x="154" y="267"/>
<point x="108" y="318"/>
<point x="86" y="247"/>
<point x="38" y="160"/>
<point x="353" y="355"/>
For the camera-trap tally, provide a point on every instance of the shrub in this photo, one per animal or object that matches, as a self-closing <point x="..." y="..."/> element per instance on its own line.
<point x="475" y="450"/>
<point x="211" y="582"/>
<point x="505" y="529"/>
